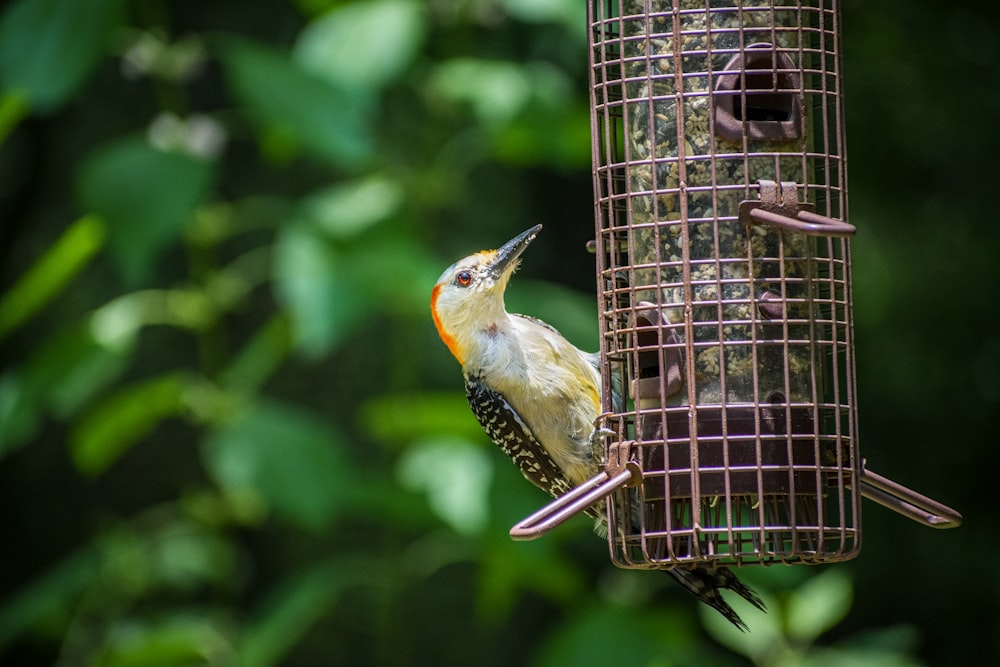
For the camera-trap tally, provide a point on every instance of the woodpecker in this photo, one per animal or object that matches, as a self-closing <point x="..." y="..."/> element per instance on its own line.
<point x="536" y="395"/>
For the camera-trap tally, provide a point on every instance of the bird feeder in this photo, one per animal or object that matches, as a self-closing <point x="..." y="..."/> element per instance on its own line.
<point x="725" y="289"/>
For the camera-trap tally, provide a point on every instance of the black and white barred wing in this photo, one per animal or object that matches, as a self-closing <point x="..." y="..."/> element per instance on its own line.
<point x="506" y="428"/>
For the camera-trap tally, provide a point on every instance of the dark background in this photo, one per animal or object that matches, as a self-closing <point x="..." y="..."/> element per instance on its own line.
<point x="229" y="434"/>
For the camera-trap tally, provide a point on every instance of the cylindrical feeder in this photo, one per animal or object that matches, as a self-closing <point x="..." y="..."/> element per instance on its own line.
<point x="725" y="288"/>
<point x="732" y="332"/>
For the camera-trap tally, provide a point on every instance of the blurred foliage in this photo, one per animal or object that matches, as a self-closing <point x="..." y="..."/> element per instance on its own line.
<point x="229" y="434"/>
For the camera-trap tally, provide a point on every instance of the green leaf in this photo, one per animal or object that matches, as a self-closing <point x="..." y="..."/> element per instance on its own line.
<point x="391" y="271"/>
<point x="119" y="321"/>
<point x="851" y="657"/>
<point x="328" y="122"/>
<point x="259" y="359"/>
<point x="316" y="7"/>
<point x="176" y="640"/>
<point x="62" y="374"/>
<point x="499" y="91"/>
<point x="218" y="221"/>
<point x="555" y="137"/>
<point x="361" y="46"/>
<point x="456" y="477"/>
<point x="403" y="291"/>
<point x="287" y="457"/>
<point x="347" y="209"/>
<point x="49" y="47"/>
<point x="51" y="273"/>
<point x="20" y="411"/>
<point x="123" y="419"/>
<point x="819" y="604"/>
<point x="398" y="419"/>
<point x="295" y="606"/>
<point x="569" y="12"/>
<point x="612" y="635"/>
<point x="57" y="590"/>
<point x="509" y="568"/>
<point x="315" y="284"/>
<point x="145" y="195"/>
<point x="186" y="556"/>
<point x="13" y="108"/>
<point x="496" y="90"/>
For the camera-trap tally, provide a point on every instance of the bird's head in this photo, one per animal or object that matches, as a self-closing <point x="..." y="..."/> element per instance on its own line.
<point x="468" y="297"/>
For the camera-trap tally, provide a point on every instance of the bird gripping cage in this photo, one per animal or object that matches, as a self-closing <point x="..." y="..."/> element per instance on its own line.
<point x="725" y="297"/>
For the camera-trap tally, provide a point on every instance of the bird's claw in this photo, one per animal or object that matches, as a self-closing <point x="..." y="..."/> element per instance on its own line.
<point x="599" y="421"/>
<point x="600" y="430"/>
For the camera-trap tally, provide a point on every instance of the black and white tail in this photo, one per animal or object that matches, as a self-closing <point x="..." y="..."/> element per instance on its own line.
<point x="706" y="582"/>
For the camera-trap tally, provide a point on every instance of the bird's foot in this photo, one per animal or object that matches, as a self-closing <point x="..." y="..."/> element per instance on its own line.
<point x="600" y="430"/>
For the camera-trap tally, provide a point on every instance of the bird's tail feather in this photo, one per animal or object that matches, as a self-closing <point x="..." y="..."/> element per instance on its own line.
<point x="706" y="582"/>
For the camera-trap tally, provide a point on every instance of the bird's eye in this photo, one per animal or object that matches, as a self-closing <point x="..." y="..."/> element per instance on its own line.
<point x="463" y="278"/>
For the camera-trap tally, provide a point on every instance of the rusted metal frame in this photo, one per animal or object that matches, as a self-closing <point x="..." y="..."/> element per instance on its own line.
<point x="609" y="148"/>
<point x="688" y="297"/>
<point x="851" y="379"/>
<point x="608" y="215"/>
<point x="710" y="85"/>
<point x="786" y="379"/>
<point x="804" y="222"/>
<point x="628" y="196"/>
<point x="755" y="361"/>
<point x="616" y="332"/>
<point x="838" y="255"/>
<point x="619" y="472"/>
<point x="907" y="502"/>
<point x="816" y="539"/>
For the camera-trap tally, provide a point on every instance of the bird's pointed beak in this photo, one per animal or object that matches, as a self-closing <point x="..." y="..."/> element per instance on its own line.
<point x="508" y="253"/>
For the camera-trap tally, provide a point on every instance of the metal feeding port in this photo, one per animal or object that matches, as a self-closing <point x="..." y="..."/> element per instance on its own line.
<point x="724" y="273"/>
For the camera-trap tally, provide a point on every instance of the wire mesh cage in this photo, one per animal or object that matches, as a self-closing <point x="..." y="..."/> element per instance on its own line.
<point x="724" y="281"/>
<point x="726" y="300"/>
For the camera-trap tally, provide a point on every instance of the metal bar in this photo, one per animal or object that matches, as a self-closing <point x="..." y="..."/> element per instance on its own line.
<point x="570" y="504"/>
<point x="805" y="222"/>
<point x="742" y="374"/>
<point x="907" y="502"/>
